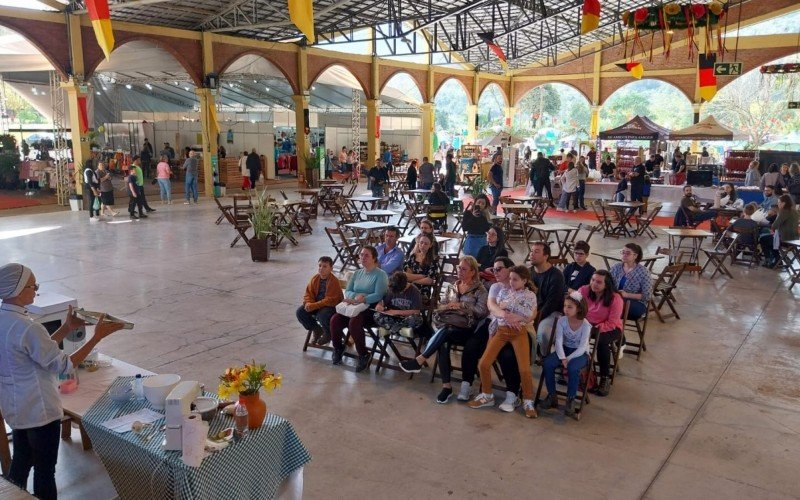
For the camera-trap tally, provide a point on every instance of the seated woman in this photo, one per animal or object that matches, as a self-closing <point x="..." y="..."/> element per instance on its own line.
<point x="400" y="307"/>
<point x="422" y="266"/>
<point x="783" y="229"/>
<point x="368" y="285"/>
<point x="463" y="323"/>
<point x="572" y="348"/>
<point x="494" y="248"/>
<point x="476" y="221"/>
<point x="31" y="359"/>
<point x="426" y="227"/>
<point x="633" y="280"/>
<point x="728" y="198"/>
<point x="514" y="310"/>
<point x="438" y="198"/>
<point x="605" y="312"/>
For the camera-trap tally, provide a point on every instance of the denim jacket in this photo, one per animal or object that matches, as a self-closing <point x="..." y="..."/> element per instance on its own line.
<point x="29" y="364"/>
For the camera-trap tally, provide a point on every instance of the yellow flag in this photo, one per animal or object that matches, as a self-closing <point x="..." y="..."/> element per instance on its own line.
<point x="301" y="12"/>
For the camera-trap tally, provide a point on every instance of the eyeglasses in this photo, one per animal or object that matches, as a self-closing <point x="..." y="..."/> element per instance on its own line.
<point x="626" y="252"/>
<point x="465" y="269"/>
<point x="498" y="269"/>
<point x="35" y="287"/>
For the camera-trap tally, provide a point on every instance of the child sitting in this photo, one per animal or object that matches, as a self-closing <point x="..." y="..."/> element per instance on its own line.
<point x="519" y="309"/>
<point x="572" y="347"/>
<point x="400" y="307"/>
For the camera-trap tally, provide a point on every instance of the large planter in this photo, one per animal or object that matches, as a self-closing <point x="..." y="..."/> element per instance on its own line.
<point x="256" y="409"/>
<point x="259" y="249"/>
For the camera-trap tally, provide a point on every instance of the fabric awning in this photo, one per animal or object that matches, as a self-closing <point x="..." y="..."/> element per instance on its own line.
<point x="708" y="129"/>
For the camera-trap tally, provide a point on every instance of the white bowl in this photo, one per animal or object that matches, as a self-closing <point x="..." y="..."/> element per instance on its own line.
<point x="158" y="387"/>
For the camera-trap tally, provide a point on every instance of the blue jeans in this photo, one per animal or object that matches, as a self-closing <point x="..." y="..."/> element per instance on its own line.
<point x="166" y="189"/>
<point x="581" y="194"/>
<point x="320" y="317"/>
<point x="637" y="310"/>
<point x="551" y="363"/>
<point x="191" y="187"/>
<point x="495" y="196"/>
<point x="473" y="243"/>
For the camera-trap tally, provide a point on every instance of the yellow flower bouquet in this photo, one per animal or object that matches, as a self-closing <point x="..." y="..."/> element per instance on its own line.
<point x="247" y="380"/>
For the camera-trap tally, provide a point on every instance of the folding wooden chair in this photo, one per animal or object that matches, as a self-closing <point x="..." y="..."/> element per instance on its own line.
<point x="454" y="246"/>
<point x="663" y="288"/>
<point x="353" y="188"/>
<point x="241" y="227"/>
<point x="639" y="326"/>
<point x="583" y="391"/>
<point x="717" y="255"/>
<point x="605" y="223"/>
<point x="390" y="342"/>
<point x="438" y="215"/>
<point x="643" y="222"/>
<point x="537" y="212"/>
<point x="222" y="209"/>
<point x="346" y="249"/>
<point x="746" y="246"/>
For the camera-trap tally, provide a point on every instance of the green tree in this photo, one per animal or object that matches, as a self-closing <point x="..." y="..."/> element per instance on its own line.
<point x="19" y="109"/>
<point x="543" y="101"/>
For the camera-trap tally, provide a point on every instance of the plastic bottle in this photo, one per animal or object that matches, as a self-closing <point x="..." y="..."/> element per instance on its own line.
<point x="138" y="387"/>
<point x="240" y="421"/>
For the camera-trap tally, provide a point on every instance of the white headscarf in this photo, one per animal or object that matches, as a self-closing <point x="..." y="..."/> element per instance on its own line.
<point x="13" y="278"/>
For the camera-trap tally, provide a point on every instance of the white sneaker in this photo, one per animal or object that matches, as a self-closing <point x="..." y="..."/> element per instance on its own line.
<point x="559" y="209"/>
<point x="186" y="203"/>
<point x="94" y="219"/>
<point x="511" y="402"/>
<point x="482" y="400"/>
<point x="465" y="393"/>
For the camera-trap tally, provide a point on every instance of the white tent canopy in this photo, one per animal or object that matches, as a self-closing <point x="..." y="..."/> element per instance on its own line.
<point x="708" y="129"/>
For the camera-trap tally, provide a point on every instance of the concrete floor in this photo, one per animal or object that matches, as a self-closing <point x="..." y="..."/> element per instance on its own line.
<point x="712" y="410"/>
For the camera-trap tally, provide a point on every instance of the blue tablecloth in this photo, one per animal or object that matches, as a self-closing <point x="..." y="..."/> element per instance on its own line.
<point x="252" y="468"/>
<point x="750" y="196"/>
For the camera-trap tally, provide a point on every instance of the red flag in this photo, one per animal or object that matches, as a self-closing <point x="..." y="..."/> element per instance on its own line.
<point x="498" y="51"/>
<point x="705" y="78"/>
<point x="83" y="116"/>
<point x="101" y="22"/>
<point x="591" y="16"/>
<point x="634" y="68"/>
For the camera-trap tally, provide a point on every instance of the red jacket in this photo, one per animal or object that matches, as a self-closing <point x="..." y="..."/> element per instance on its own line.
<point x="333" y="293"/>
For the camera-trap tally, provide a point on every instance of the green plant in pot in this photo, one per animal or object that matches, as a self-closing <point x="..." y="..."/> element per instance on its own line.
<point x="478" y="185"/>
<point x="264" y="221"/>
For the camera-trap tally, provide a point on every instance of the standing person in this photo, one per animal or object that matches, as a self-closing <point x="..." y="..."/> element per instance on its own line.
<point x="496" y="180"/>
<point x="607" y="169"/>
<point x="133" y="193"/>
<point x="245" y="173"/>
<point x="450" y="176"/>
<point x="752" y="177"/>
<point x="794" y="182"/>
<point x="91" y="186"/>
<point x="605" y="312"/>
<point x="106" y="190"/>
<point x="168" y="152"/>
<point x="137" y="166"/>
<point x="550" y="290"/>
<point x="378" y="177"/>
<point x="541" y="169"/>
<point x="569" y="188"/>
<point x="476" y="221"/>
<point x="425" y="174"/>
<point x="343" y="164"/>
<point x="322" y="294"/>
<point x="163" y="174"/>
<point x="190" y="165"/>
<point x="254" y="167"/>
<point x="637" y="179"/>
<point x="515" y="309"/>
<point x="221" y="151"/>
<point x="678" y="168"/>
<point x="411" y="175"/>
<point x="31" y="360"/>
<point x="146" y="155"/>
<point x="592" y="157"/>
<point x="368" y="285"/>
<point x="571" y="352"/>
<point x="583" y="174"/>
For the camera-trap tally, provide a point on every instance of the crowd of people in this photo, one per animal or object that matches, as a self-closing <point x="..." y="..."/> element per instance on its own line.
<point x="495" y="311"/>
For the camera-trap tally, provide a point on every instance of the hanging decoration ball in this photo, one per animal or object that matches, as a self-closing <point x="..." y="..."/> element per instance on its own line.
<point x="626" y="15"/>
<point x="715" y="7"/>
<point x="698" y="10"/>
<point x="672" y="9"/>
<point x="101" y="129"/>
<point x="640" y="15"/>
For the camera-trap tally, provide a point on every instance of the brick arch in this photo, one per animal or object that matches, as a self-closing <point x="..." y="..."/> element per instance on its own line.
<point x="753" y="59"/>
<point x="278" y="62"/>
<point x="385" y="81"/>
<point x="342" y="64"/>
<point x="41" y="34"/>
<point x="527" y="89"/>
<point x="188" y="53"/>
<point x="458" y="80"/>
<point x="286" y="62"/>
<point x="502" y="91"/>
<point x="676" y="82"/>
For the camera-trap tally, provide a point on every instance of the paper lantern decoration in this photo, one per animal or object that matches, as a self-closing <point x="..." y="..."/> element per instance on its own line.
<point x="716" y="7"/>
<point x="626" y="15"/>
<point x="672" y="9"/>
<point x="698" y="10"/>
<point x="641" y="15"/>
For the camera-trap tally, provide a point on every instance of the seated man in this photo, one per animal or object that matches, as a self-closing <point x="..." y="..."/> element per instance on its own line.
<point x="438" y="198"/>
<point x="390" y="257"/>
<point x="691" y="207"/>
<point x="770" y="200"/>
<point x="578" y="273"/>
<point x="550" y="292"/>
<point x="323" y="292"/>
<point x="745" y="226"/>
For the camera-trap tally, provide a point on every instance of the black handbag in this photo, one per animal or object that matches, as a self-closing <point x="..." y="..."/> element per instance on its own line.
<point x="456" y="319"/>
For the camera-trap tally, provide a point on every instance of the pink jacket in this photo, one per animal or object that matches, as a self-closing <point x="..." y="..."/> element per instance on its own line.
<point x="604" y="318"/>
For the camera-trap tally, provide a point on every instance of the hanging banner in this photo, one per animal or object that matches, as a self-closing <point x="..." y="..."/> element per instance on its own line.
<point x="378" y="127"/>
<point x="83" y="116"/>
<point x="101" y="23"/>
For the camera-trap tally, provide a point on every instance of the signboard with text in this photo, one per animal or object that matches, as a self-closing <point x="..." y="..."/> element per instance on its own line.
<point x="727" y="69"/>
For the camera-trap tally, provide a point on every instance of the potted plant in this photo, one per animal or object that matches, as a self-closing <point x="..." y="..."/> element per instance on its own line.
<point x="245" y="382"/>
<point x="310" y="164"/>
<point x="264" y="221"/>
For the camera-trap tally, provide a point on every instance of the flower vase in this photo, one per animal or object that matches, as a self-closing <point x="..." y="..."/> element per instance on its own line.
<point x="256" y="409"/>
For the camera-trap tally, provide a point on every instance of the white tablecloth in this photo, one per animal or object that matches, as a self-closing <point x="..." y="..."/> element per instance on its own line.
<point x="664" y="194"/>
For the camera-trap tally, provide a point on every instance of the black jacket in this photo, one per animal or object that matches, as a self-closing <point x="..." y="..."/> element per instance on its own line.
<point x="550" y="293"/>
<point x="253" y="163"/>
<point x="542" y="168"/>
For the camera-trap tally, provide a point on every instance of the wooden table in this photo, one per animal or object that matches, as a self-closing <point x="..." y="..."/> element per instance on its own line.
<point x="420" y="193"/>
<point x="614" y="256"/>
<point x="790" y="255"/>
<point x="91" y="385"/>
<point x="407" y="242"/>
<point x="364" y="200"/>
<point x="518" y="228"/>
<point x="625" y="210"/>
<point x="327" y="182"/>
<point x="527" y="199"/>
<point x="545" y="230"/>
<point x="314" y="194"/>
<point x="367" y="228"/>
<point x="676" y="238"/>
<point x="378" y="215"/>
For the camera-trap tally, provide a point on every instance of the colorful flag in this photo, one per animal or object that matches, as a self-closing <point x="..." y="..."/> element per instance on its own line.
<point x="101" y="22"/>
<point x="705" y="78"/>
<point x="634" y="68"/>
<point x="301" y="12"/>
<point x="83" y="115"/>
<point x="591" y="16"/>
<point x="489" y="39"/>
